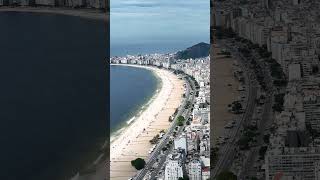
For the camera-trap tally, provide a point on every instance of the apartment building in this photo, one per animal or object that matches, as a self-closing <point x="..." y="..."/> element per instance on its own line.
<point x="195" y="170"/>
<point x="298" y="163"/>
<point x="173" y="169"/>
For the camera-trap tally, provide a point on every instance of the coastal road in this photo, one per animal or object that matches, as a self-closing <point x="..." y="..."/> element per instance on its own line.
<point x="228" y="151"/>
<point x="162" y="158"/>
<point x="164" y="140"/>
<point x="265" y="122"/>
<point x="247" y="170"/>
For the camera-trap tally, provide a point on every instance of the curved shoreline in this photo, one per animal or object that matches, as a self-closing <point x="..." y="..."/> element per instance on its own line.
<point x="101" y="161"/>
<point x="144" y="106"/>
<point x="134" y="141"/>
<point x="82" y="13"/>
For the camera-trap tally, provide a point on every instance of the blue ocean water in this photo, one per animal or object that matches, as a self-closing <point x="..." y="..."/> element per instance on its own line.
<point x="130" y="89"/>
<point x="150" y="26"/>
<point x="53" y="106"/>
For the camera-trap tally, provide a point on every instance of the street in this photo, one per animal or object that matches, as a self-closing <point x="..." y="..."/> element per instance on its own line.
<point x="156" y="154"/>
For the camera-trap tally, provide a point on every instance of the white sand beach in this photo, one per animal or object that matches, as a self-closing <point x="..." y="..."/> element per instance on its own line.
<point x="134" y="140"/>
<point x="83" y="13"/>
<point x="223" y="93"/>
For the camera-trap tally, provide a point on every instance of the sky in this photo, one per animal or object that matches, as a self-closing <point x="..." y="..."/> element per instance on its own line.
<point x="158" y="24"/>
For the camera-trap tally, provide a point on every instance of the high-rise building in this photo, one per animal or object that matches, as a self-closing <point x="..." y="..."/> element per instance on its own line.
<point x="24" y="2"/>
<point x="311" y="106"/>
<point x="45" y="2"/>
<point x="266" y="3"/>
<point x="298" y="163"/>
<point x="294" y="72"/>
<point x="173" y="169"/>
<point x="296" y="2"/>
<point x="181" y="143"/>
<point x="195" y="170"/>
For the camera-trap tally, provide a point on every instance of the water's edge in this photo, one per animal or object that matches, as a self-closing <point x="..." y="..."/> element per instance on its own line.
<point x="136" y="113"/>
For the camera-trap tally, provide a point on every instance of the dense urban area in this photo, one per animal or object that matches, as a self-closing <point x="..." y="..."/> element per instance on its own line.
<point x="276" y="44"/>
<point x="183" y="150"/>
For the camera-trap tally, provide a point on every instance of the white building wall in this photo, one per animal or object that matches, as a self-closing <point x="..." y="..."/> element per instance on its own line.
<point x="294" y="72"/>
<point x="173" y="170"/>
<point x="45" y="2"/>
<point x="292" y="165"/>
<point x="295" y="2"/>
<point x="195" y="170"/>
<point x="181" y="143"/>
<point x="24" y="2"/>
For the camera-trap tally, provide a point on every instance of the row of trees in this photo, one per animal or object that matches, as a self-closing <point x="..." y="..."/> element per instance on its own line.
<point x="222" y="33"/>
<point x="248" y="137"/>
<point x="250" y="51"/>
<point x="278" y="76"/>
<point x="236" y="107"/>
<point x="228" y="175"/>
<point x="155" y="139"/>
<point x="140" y="163"/>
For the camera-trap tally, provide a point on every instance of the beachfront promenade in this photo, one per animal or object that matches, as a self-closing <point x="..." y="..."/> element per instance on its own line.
<point x="225" y="91"/>
<point x="134" y="140"/>
<point x="228" y="150"/>
<point x="159" y="158"/>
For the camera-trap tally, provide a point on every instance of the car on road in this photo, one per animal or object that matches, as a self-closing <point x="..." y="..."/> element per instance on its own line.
<point x="155" y="165"/>
<point x="241" y="88"/>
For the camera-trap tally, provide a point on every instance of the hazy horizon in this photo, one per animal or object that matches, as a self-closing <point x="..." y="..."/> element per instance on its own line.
<point x="157" y="26"/>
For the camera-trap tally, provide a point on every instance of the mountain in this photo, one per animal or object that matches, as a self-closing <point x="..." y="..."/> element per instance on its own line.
<point x="197" y="51"/>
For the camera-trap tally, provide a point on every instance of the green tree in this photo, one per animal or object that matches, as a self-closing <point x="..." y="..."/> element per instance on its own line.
<point x="226" y="175"/>
<point x="155" y="139"/>
<point x="266" y="138"/>
<point x="138" y="163"/>
<point x="180" y="121"/>
<point x="183" y="178"/>
<point x="236" y="107"/>
<point x="244" y="142"/>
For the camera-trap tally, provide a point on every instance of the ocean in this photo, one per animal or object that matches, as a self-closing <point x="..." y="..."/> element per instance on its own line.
<point x="131" y="88"/>
<point x="53" y="94"/>
<point x="153" y="26"/>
